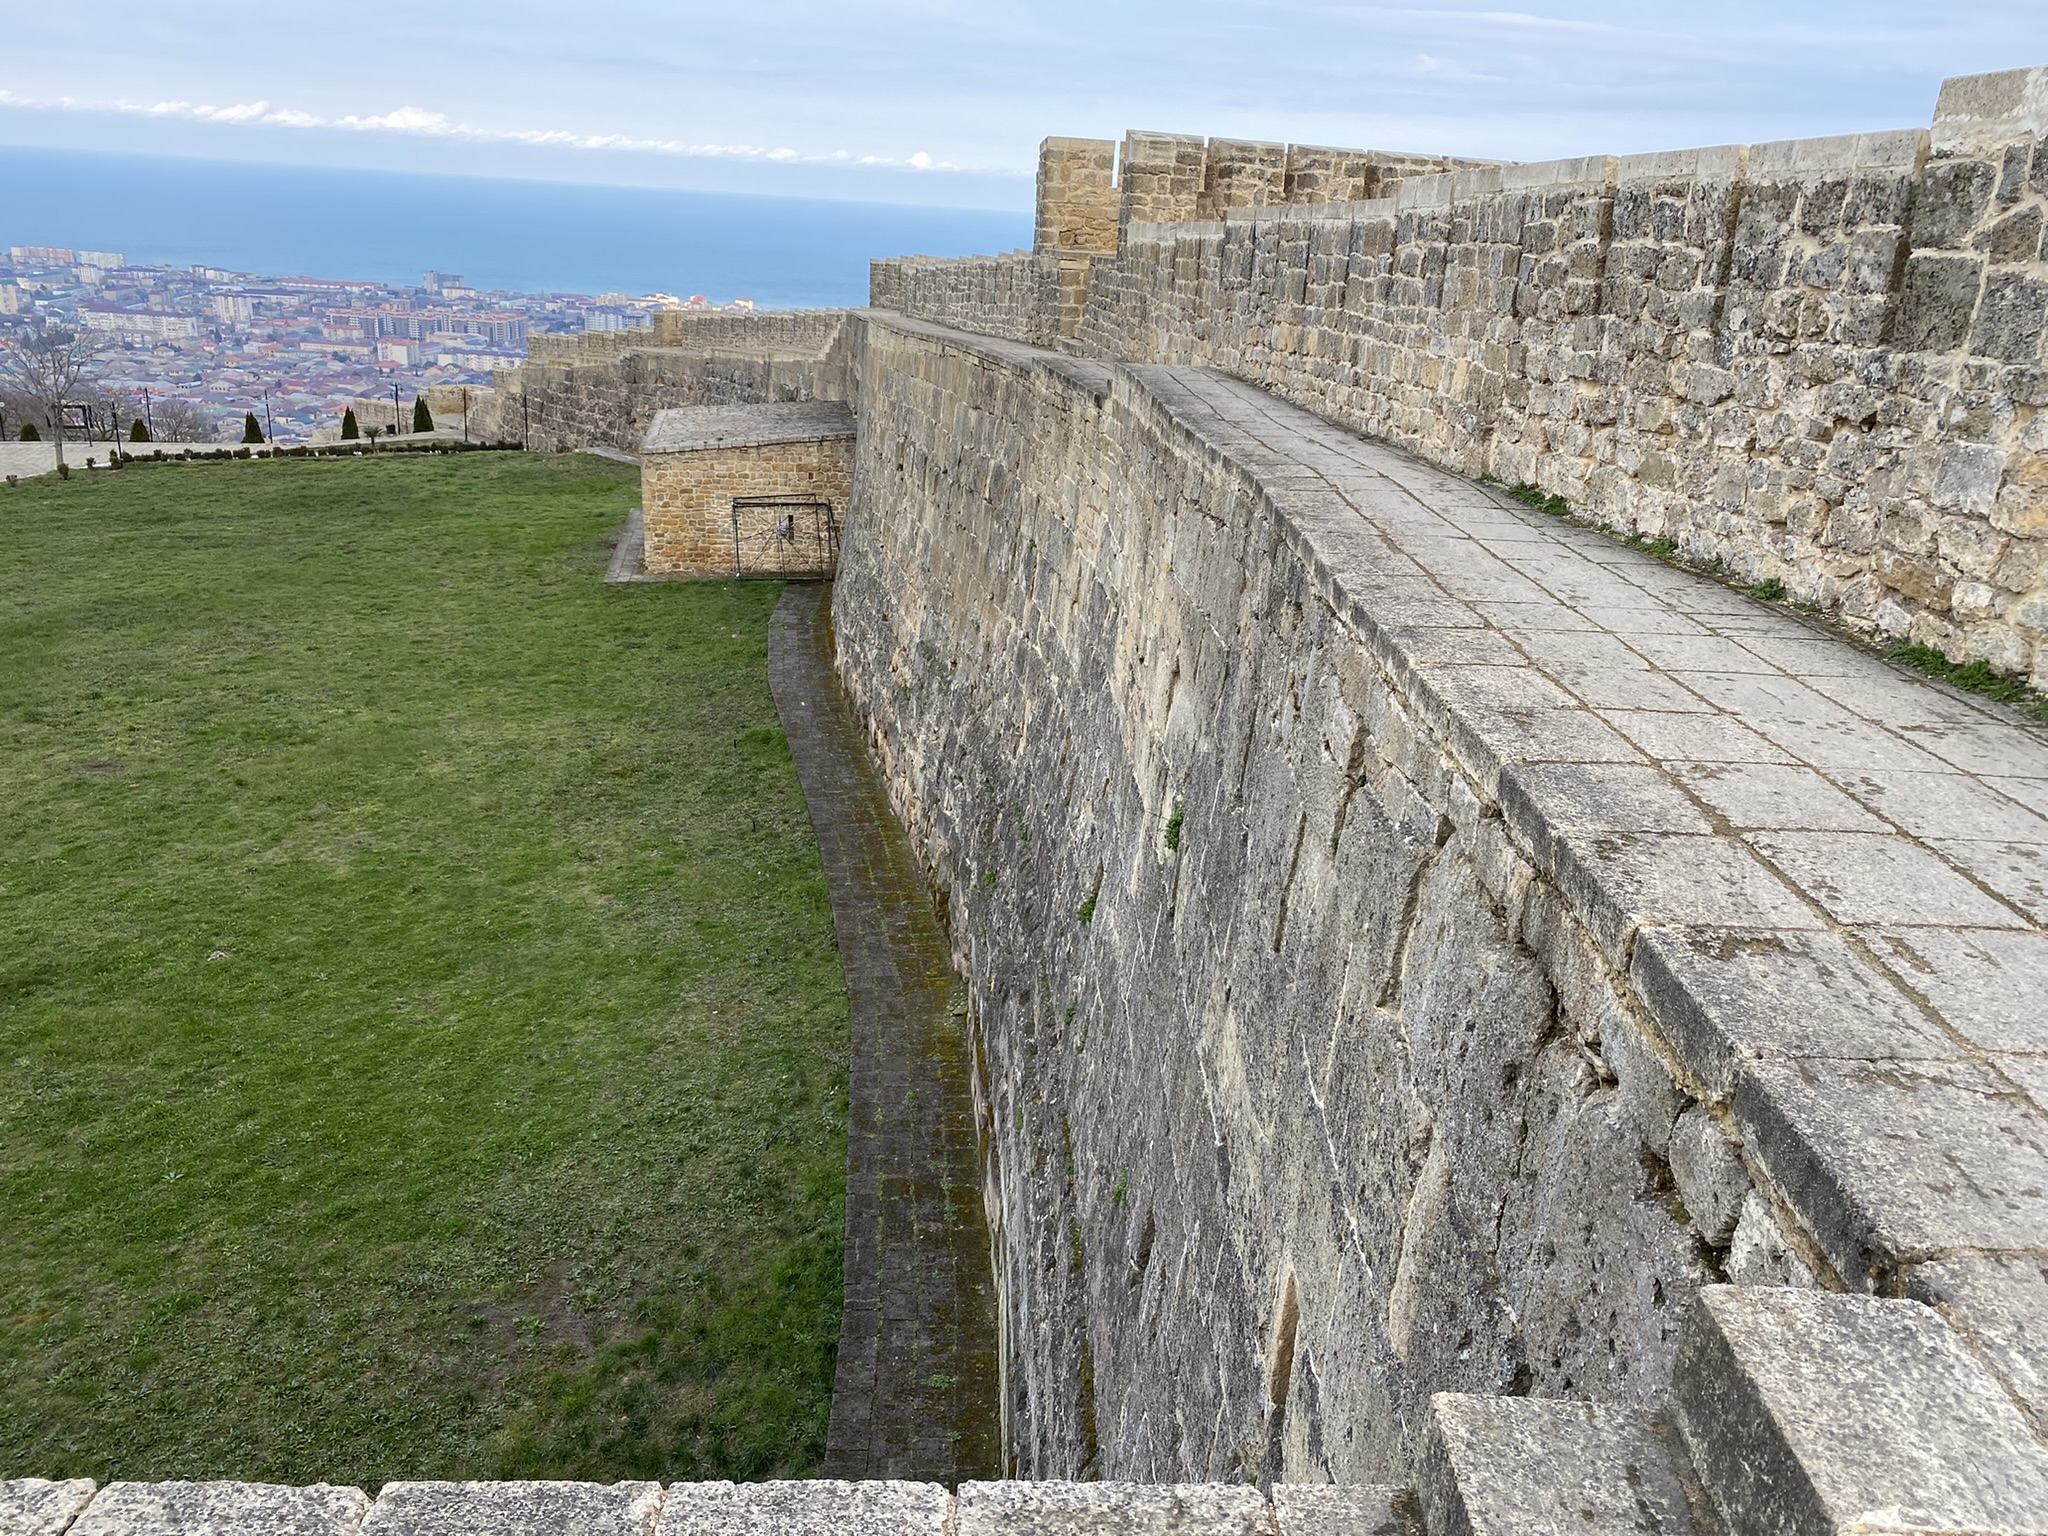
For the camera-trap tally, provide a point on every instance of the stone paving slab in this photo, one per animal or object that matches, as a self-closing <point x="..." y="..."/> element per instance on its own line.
<point x="629" y="554"/>
<point x="222" y="1509"/>
<point x="514" y="1509"/>
<point x="915" y="1391"/>
<point x="39" y="1506"/>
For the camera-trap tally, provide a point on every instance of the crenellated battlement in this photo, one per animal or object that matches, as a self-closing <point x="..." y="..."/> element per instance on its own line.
<point x="1090" y="191"/>
<point x="1818" y="362"/>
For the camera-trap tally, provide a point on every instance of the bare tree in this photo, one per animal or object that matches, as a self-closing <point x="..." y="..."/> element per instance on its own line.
<point x="180" y="421"/>
<point x="48" y="363"/>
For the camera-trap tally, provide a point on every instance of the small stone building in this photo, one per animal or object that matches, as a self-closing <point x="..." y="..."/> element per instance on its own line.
<point x="746" y="490"/>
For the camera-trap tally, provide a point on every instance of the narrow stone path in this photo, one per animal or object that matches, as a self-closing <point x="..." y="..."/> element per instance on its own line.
<point x="916" y="1393"/>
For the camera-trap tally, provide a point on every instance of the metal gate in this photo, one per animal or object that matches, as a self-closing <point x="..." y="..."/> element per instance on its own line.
<point x="776" y="537"/>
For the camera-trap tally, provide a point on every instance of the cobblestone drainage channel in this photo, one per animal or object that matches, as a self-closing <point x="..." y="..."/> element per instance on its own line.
<point x="917" y="1387"/>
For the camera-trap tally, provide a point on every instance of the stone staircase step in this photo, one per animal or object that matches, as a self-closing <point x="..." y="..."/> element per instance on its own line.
<point x="1516" y="1466"/>
<point x="1806" y="1413"/>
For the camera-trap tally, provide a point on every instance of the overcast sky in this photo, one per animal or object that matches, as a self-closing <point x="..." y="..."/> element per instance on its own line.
<point x="945" y="100"/>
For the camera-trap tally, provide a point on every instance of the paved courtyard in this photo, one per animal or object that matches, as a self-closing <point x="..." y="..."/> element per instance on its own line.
<point x="29" y="459"/>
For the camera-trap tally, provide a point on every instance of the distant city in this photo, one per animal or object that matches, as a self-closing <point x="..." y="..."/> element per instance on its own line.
<point x="294" y="351"/>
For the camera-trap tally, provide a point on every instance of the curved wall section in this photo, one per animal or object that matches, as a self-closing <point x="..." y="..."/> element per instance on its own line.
<point x="1415" y="943"/>
<point x="1289" y="1127"/>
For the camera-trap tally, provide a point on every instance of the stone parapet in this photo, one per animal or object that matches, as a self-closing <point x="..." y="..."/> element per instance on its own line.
<point x="1803" y="1415"/>
<point x="1454" y="937"/>
<point x="610" y="396"/>
<point x="1819" y="362"/>
<point x="819" y="1507"/>
<point x="1077" y="197"/>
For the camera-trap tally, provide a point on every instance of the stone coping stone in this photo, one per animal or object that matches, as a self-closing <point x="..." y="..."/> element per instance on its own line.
<point x="1110" y="1509"/>
<point x="1809" y="1413"/>
<point x="2006" y="1301"/>
<point x="222" y="1509"/>
<point x="817" y="1507"/>
<point x="38" y="1506"/>
<point x="1517" y="1466"/>
<point x="695" y="428"/>
<point x="514" y="1509"/>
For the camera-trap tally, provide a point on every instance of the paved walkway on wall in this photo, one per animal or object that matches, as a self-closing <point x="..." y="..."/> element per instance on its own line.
<point x="1826" y="877"/>
<point x="917" y="1391"/>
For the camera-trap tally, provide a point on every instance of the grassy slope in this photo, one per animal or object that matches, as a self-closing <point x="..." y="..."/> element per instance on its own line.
<point x="424" y="1045"/>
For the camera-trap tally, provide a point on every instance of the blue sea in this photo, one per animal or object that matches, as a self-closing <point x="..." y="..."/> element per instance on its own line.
<point x="528" y="236"/>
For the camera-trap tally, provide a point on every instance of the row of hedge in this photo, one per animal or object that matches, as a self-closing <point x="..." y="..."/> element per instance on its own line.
<point x="357" y="449"/>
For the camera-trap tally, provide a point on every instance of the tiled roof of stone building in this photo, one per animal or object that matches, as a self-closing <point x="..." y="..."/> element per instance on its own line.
<point x="690" y="428"/>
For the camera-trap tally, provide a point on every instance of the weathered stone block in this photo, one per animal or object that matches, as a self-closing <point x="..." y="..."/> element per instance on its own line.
<point x="1325" y="1509"/>
<point x="208" y="1509"/>
<point x="1937" y="302"/>
<point x="2009" y="318"/>
<point x="2000" y="1304"/>
<point x="1954" y="198"/>
<point x="1759" y="1253"/>
<point x="1976" y="112"/>
<point x="823" y="1507"/>
<point x="514" y="1509"/>
<point x="37" y="1506"/>
<point x="1885" y="1161"/>
<point x="1109" y="1509"/>
<point x="1726" y="996"/>
<point x="1808" y="1413"/>
<point x="1709" y="1173"/>
<point x="1511" y="1466"/>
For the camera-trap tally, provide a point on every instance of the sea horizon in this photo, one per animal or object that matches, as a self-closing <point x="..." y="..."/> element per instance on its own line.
<point x="498" y="233"/>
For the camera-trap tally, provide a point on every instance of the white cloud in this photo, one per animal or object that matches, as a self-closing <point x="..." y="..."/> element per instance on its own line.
<point x="419" y="122"/>
<point x="1424" y="66"/>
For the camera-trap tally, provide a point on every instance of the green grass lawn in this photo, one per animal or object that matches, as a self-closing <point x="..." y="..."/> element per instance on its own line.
<point x="424" y="1042"/>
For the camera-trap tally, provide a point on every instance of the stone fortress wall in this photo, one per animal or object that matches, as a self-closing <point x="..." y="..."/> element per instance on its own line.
<point x="1417" y="946"/>
<point x="1816" y="361"/>
<point x="1436" y="972"/>
<point x="605" y="387"/>
<point x="1459" y="1005"/>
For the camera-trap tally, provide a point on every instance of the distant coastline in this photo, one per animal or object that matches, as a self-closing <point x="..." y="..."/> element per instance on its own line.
<point x="523" y="236"/>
